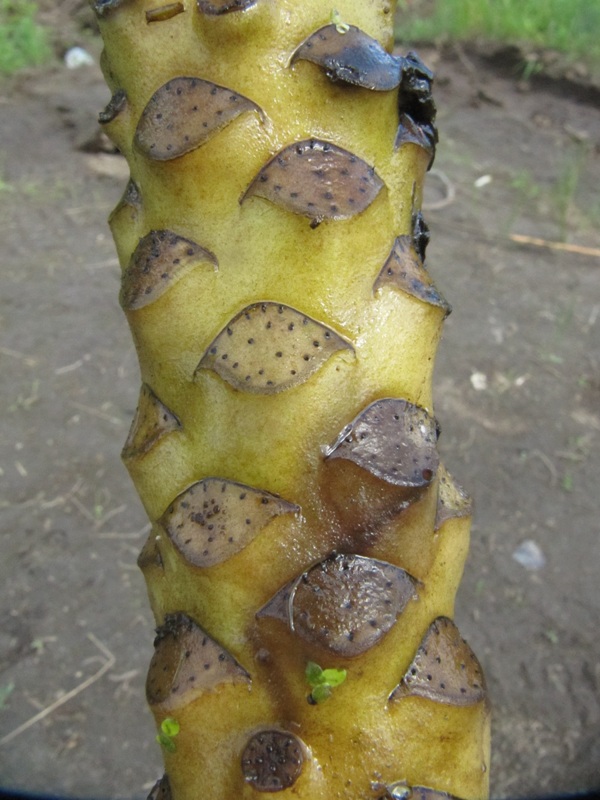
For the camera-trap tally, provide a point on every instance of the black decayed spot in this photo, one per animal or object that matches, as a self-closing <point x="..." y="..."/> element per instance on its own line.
<point x="345" y="603"/>
<point x="269" y="347"/>
<point x="420" y="234"/>
<point x="318" y="180"/>
<point x="183" y="114"/>
<point x="416" y="107"/>
<point x="352" y="57"/>
<point x="215" y="518"/>
<point x="394" y="440"/>
<point x="405" y="270"/>
<point x="272" y="760"/>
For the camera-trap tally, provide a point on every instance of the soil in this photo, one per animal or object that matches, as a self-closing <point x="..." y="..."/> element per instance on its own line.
<point x="517" y="393"/>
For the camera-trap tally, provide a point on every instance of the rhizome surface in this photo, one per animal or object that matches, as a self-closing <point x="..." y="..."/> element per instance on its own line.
<point x="517" y="392"/>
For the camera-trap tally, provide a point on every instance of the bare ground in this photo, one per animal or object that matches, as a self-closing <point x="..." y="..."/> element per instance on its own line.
<point x="517" y="392"/>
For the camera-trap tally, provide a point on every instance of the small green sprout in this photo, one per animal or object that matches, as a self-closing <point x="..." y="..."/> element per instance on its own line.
<point x="322" y="682"/>
<point x="5" y="692"/>
<point x="169" y="728"/>
<point x="340" y="26"/>
<point x="551" y="635"/>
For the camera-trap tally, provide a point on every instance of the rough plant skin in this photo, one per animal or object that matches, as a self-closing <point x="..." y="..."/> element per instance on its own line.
<point x="285" y="444"/>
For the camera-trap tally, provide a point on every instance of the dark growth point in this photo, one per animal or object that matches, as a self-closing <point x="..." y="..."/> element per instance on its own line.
<point x="272" y="760"/>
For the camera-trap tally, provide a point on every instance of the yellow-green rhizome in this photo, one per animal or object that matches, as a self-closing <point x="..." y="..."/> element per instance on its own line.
<point x="306" y="541"/>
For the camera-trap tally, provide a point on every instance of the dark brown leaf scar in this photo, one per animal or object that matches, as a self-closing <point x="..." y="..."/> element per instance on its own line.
<point x="416" y="108"/>
<point x="345" y="603"/>
<point x="186" y="663"/>
<point x="116" y="104"/>
<point x="150" y="556"/>
<point x="184" y="113"/>
<point x="161" y="790"/>
<point x="269" y="347"/>
<point x="160" y="260"/>
<point x="151" y="422"/>
<point x="393" y="439"/>
<point x="352" y="57"/>
<point x="318" y="180"/>
<point x="445" y="669"/>
<point x="453" y="501"/>
<point x="425" y="793"/>
<point x="216" y="7"/>
<point x="410" y="132"/>
<point x="400" y="790"/>
<point x="163" y="13"/>
<point x="272" y="760"/>
<point x="404" y="270"/>
<point x="215" y="518"/>
<point x="131" y="199"/>
<point x="102" y="7"/>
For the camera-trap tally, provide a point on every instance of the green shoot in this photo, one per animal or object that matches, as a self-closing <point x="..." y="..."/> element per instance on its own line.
<point x="340" y="26"/>
<point x="169" y="728"/>
<point x="322" y="681"/>
<point x="5" y="692"/>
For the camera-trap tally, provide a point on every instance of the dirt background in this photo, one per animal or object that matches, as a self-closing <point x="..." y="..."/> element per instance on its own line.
<point x="517" y="393"/>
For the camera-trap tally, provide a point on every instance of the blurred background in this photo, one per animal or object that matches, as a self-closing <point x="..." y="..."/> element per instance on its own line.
<point x="514" y="211"/>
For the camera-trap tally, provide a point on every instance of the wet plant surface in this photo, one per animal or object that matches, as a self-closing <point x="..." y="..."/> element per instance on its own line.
<point x="517" y="393"/>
